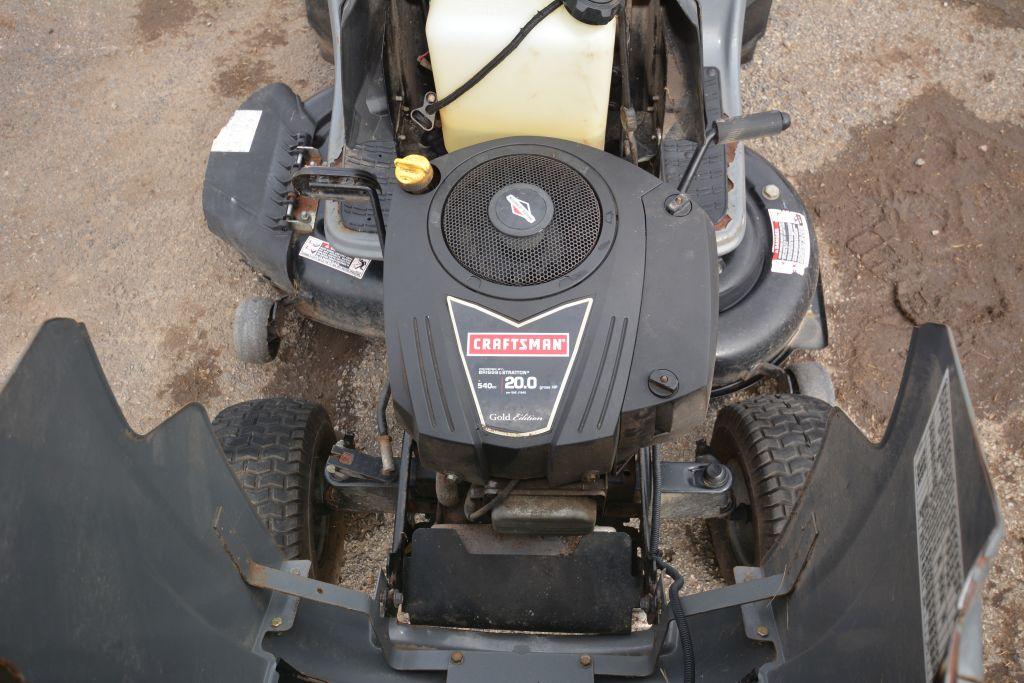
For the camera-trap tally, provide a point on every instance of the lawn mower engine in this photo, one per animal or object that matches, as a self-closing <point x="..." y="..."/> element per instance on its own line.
<point x="546" y="318"/>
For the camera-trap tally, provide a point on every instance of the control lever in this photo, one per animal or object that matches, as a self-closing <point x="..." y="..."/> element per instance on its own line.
<point x="760" y="125"/>
<point x="342" y="185"/>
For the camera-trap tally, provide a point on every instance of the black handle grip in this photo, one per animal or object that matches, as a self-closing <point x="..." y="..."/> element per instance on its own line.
<point x="753" y="126"/>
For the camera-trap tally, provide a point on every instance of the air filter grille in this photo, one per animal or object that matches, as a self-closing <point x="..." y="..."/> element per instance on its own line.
<point x="504" y="259"/>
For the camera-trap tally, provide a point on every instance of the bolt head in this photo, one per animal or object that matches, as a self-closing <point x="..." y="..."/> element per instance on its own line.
<point x="771" y="192"/>
<point x="451" y="476"/>
<point x="678" y="205"/>
<point x="457" y="658"/>
<point x="305" y="216"/>
<point x="762" y="631"/>
<point x="276" y="622"/>
<point x="715" y="475"/>
<point x="663" y="383"/>
<point x="585" y="660"/>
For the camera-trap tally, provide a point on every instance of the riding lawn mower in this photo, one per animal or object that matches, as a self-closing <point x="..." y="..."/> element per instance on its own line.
<point x="547" y="211"/>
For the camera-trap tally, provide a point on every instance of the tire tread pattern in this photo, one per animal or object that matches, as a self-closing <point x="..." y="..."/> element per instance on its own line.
<point x="779" y="436"/>
<point x="270" y="446"/>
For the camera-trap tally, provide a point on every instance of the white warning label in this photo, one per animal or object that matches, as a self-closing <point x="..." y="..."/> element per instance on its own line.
<point x="791" y="242"/>
<point x="939" y="544"/>
<point x="237" y="134"/>
<point x="315" y="249"/>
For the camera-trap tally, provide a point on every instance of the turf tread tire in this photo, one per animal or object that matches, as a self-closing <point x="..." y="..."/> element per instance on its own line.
<point x="773" y="441"/>
<point x="274" y="447"/>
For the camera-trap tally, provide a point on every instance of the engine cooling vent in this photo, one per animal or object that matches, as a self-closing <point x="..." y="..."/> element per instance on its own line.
<point x="563" y="233"/>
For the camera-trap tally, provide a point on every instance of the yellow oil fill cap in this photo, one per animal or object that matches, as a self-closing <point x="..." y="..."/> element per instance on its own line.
<point x="414" y="173"/>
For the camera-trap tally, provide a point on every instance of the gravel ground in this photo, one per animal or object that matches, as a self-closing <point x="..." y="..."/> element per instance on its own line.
<point x="115" y="104"/>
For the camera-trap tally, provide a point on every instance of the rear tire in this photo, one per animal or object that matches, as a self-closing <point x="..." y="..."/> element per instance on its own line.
<point x="755" y="23"/>
<point x="770" y="443"/>
<point x="319" y="18"/>
<point x="277" y="449"/>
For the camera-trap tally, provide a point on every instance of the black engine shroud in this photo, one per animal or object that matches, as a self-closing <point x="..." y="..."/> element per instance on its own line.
<point x="530" y="298"/>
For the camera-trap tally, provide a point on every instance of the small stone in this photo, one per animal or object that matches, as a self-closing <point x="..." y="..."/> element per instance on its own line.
<point x="934" y="233"/>
<point x="983" y="148"/>
<point x="919" y="162"/>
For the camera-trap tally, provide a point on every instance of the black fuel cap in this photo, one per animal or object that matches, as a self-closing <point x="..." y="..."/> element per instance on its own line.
<point x="521" y="209"/>
<point x="595" y="12"/>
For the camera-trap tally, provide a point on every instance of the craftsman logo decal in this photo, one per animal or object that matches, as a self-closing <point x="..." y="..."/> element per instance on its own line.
<point x="521" y="208"/>
<point x="517" y="370"/>
<point x="518" y="344"/>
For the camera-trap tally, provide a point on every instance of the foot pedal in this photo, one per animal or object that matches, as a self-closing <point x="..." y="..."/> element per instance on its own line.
<point x="710" y="186"/>
<point x="376" y="157"/>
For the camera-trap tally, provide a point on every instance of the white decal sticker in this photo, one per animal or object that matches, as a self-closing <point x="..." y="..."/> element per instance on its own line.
<point x="791" y="241"/>
<point x="237" y="134"/>
<point x="316" y="249"/>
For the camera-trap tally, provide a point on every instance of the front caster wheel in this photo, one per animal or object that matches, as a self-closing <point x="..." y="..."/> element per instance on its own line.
<point x="256" y="340"/>
<point x="277" y="449"/>
<point x="812" y="379"/>
<point x="769" y="443"/>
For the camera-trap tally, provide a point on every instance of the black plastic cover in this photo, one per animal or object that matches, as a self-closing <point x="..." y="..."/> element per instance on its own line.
<point x="644" y="299"/>
<point x="244" y="191"/>
<point x="575" y="585"/>
<point x="112" y="570"/>
<point x="593" y="11"/>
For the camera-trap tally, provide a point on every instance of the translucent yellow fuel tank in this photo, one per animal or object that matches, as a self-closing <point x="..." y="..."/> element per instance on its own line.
<point x="554" y="84"/>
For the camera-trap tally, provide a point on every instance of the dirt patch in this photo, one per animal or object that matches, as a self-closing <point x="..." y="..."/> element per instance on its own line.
<point x="312" y="365"/>
<point x="268" y="36"/>
<point x="920" y="219"/>
<point x="243" y="77"/>
<point x="197" y="367"/>
<point x="7" y="23"/>
<point x="999" y="13"/>
<point x="156" y="18"/>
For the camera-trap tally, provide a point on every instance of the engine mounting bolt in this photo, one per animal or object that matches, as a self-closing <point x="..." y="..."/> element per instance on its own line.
<point x="457" y="658"/>
<point x="585" y="660"/>
<point x="662" y="383"/>
<point x="451" y="476"/>
<point x="276" y="622"/>
<point x="715" y="475"/>
<point x="678" y="205"/>
<point x="762" y="631"/>
<point x="771" y="192"/>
